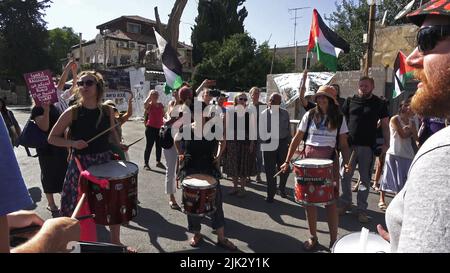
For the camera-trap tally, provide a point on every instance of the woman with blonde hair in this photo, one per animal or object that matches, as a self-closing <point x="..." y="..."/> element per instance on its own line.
<point x="86" y="119"/>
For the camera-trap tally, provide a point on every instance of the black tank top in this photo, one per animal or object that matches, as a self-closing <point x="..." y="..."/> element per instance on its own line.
<point x="84" y="127"/>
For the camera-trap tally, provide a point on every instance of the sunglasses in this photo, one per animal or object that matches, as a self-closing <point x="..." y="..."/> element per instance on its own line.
<point x="428" y="37"/>
<point x="243" y="99"/>
<point x="87" y="83"/>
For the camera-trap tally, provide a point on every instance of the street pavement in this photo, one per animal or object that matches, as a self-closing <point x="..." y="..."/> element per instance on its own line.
<point x="254" y="225"/>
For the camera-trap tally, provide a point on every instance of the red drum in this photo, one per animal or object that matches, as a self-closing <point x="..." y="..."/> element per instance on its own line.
<point x="199" y="194"/>
<point x="116" y="204"/>
<point x="314" y="182"/>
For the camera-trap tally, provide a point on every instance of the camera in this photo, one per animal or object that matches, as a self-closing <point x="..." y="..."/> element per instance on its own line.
<point x="214" y="93"/>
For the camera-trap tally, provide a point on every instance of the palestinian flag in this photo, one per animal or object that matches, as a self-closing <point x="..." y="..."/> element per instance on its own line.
<point x="171" y="65"/>
<point x="325" y="43"/>
<point x="402" y="72"/>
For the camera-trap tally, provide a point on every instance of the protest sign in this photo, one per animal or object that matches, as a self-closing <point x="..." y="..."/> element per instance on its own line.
<point x="41" y="87"/>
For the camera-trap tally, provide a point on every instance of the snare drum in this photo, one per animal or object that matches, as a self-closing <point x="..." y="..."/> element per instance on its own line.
<point x="314" y="182"/>
<point x="116" y="204"/>
<point x="350" y="243"/>
<point x="199" y="194"/>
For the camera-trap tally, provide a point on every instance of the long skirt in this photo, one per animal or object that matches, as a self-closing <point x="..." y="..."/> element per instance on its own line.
<point x="395" y="173"/>
<point x="70" y="188"/>
<point x="53" y="171"/>
<point x="240" y="162"/>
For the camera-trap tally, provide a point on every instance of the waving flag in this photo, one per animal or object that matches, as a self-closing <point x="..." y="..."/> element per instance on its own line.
<point x="171" y="65"/>
<point x="325" y="43"/>
<point x="402" y="72"/>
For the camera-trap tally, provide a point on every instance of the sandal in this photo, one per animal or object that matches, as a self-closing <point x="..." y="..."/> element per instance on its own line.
<point x="382" y="206"/>
<point x="174" y="206"/>
<point x="375" y="187"/>
<point x="227" y="244"/>
<point x="311" y="244"/>
<point x="196" y="240"/>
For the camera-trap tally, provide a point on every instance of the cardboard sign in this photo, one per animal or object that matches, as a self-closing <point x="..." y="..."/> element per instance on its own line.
<point x="41" y="87"/>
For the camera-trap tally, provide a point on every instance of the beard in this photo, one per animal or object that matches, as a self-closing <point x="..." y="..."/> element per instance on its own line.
<point x="433" y="98"/>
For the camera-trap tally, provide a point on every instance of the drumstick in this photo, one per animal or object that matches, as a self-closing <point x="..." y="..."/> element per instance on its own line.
<point x="102" y="133"/>
<point x="89" y="216"/>
<point x="278" y="173"/>
<point x="78" y="207"/>
<point x="28" y="229"/>
<point x="128" y="146"/>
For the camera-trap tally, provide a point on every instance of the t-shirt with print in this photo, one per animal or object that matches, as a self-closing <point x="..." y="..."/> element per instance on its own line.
<point x="362" y="116"/>
<point x="13" y="192"/>
<point x="318" y="134"/>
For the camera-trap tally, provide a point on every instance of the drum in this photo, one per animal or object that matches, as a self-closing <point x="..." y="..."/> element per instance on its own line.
<point x="199" y="195"/>
<point x="116" y="204"/>
<point x="350" y="243"/>
<point x="314" y="179"/>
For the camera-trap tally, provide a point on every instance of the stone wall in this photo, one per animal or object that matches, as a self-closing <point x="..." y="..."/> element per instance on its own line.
<point x="20" y="97"/>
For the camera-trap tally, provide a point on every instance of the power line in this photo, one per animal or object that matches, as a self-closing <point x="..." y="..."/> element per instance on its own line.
<point x="295" y="20"/>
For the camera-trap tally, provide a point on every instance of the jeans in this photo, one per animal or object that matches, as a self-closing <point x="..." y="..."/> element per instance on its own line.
<point x="152" y="136"/>
<point x="364" y="158"/>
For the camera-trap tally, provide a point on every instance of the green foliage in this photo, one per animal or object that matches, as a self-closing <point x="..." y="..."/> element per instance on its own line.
<point x="216" y="21"/>
<point x="23" y="37"/>
<point x="350" y="21"/>
<point x="238" y="63"/>
<point x="60" y="42"/>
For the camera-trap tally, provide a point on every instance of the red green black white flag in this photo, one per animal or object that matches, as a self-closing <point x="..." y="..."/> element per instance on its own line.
<point x="402" y="72"/>
<point x="171" y="64"/>
<point x="325" y="43"/>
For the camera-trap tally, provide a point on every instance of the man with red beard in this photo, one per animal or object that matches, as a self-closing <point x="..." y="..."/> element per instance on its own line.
<point x="418" y="219"/>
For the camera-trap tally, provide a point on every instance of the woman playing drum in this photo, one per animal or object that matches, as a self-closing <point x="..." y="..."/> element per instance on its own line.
<point x="201" y="156"/>
<point x="321" y="141"/>
<point x="86" y="120"/>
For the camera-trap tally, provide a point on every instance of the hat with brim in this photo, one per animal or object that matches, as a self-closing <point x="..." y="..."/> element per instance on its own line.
<point x="434" y="7"/>
<point x="327" y="91"/>
<point x="223" y="95"/>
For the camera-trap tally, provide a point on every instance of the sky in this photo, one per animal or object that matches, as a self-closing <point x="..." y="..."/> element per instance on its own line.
<point x="267" y="20"/>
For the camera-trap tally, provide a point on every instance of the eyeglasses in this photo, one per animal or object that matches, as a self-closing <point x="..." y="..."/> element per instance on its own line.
<point x="243" y="99"/>
<point x="87" y="83"/>
<point x="428" y="37"/>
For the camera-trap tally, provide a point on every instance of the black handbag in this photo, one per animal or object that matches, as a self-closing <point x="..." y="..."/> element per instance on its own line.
<point x="32" y="136"/>
<point x="165" y="136"/>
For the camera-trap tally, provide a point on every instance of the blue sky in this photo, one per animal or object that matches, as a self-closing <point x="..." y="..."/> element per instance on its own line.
<point x="267" y="19"/>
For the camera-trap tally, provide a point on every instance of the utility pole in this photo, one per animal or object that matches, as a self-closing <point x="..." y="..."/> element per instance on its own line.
<point x="372" y="12"/>
<point x="295" y="30"/>
<point x="273" y="58"/>
<point x="81" y="49"/>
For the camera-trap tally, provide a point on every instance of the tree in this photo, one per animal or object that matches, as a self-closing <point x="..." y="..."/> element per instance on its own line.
<point x="350" y="21"/>
<point x="171" y="31"/>
<point x="238" y="63"/>
<point x="23" y="34"/>
<point x="60" y="42"/>
<point x="216" y="21"/>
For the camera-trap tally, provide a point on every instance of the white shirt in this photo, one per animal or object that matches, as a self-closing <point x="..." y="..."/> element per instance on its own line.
<point x="320" y="135"/>
<point x="63" y="100"/>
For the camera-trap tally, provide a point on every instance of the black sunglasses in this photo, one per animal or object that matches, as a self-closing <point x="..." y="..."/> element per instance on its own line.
<point x="244" y="99"/>
<point x="87" y="83"/>
<point x="428" y="37"/>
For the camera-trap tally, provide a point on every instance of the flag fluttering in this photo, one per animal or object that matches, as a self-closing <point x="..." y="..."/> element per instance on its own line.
<point x="325" y="43"/>
<point x="402" y="72"/>
<point x="171" y="64"/>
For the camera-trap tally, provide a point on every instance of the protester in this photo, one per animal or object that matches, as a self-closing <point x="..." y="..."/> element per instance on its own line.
<point x="259" y="107"/>
<point x="121" y="119"/>
<point x="86" y="119"/>
<point x="240" y="152"/>
<point x="198" y="155"/>
<point x="306" y="97"/>
<point x="55" y="233"/>
<point x="327" y="131"/>
<point x="67" y="97"/>
<point x="400" y="154"/>
<point x="362" y="112"/>
<point x="273" y="160"/>
<point x="154" y="114"/>
<point x="418" y="217"/>
<point x="52" y="159"/>
<point x="429" y="126"/>
<point x="11" y="123"/>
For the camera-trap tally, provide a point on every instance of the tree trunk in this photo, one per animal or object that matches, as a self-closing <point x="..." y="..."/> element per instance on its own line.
<point x="171" y="31"/>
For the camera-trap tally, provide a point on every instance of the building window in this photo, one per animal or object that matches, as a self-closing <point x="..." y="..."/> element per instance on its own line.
<point x="133" y="28"/>
<point x="125" y="59"/>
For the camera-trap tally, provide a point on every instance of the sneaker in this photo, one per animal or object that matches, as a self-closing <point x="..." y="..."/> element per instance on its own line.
<point x="147" y="167"/>
<point x="362" y="217"/>
<point x="160" y="165"/>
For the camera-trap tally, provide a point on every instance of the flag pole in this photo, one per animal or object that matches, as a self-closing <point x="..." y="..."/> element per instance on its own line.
<point x="307" y="58"/>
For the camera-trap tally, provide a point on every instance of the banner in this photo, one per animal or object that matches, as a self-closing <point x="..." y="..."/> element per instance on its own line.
<point x="41" y="86"/>
<point x="288" y="84"/>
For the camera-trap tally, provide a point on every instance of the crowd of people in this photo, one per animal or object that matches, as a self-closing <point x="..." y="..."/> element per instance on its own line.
<point x="411" y="147"/>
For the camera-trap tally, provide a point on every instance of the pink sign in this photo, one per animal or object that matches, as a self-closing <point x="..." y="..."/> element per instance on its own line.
<point x="41" y="87"/>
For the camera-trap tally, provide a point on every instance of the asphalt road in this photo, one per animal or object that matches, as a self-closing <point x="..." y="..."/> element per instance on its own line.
<point x="252" y="224"/>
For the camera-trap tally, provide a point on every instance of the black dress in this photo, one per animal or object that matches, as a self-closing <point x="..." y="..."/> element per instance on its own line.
<point x="52" y="159"/>
<point x="198" y="158"/>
